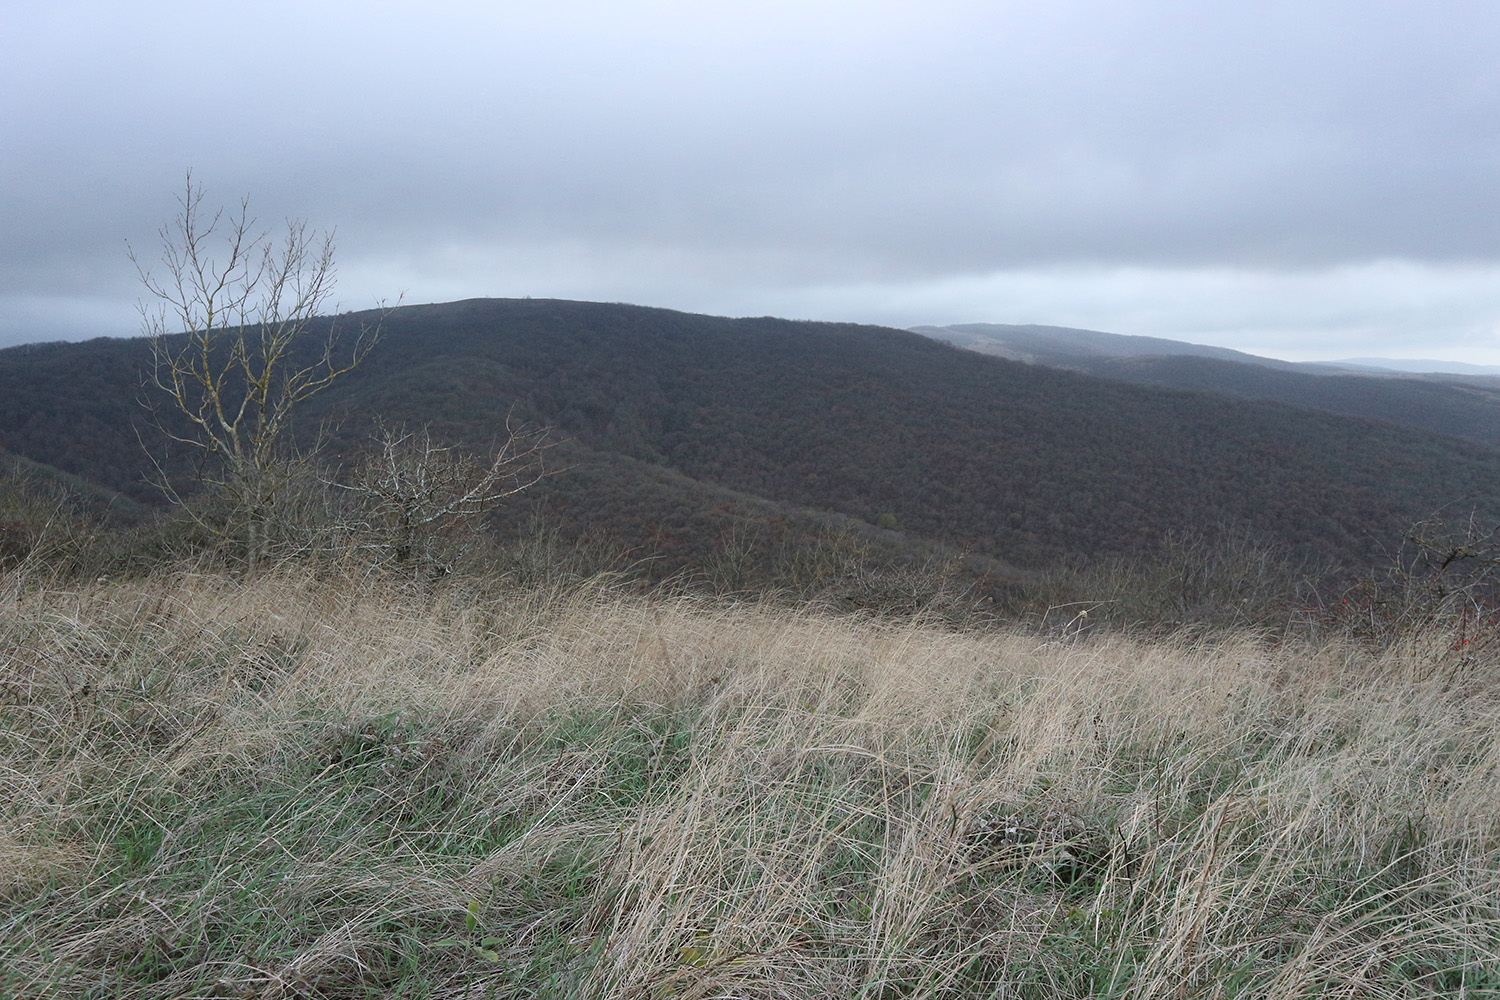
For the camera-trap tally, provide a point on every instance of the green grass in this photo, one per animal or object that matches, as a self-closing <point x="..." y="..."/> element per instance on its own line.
<point x="315" y="788"/>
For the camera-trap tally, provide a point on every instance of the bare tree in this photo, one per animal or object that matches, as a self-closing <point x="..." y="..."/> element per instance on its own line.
<point x="226" y="318"/>
<point x="420" y="502"/>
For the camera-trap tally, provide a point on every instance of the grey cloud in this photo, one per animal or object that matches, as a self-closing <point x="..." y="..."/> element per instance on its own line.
<point x="726" y="158"/>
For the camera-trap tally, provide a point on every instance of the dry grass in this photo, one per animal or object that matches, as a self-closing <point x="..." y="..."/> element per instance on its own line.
<point x="304" y="788"/>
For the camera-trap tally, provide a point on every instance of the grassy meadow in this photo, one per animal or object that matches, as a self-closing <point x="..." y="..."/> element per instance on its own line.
<point x="300" y="786"/>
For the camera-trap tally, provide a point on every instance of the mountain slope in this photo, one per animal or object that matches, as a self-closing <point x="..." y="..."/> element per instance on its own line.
<point x="1013" y="461"/>
<point x="1467" y="409"/>
<point x="1022" y="463"/>
<point x="1466" y="406"/>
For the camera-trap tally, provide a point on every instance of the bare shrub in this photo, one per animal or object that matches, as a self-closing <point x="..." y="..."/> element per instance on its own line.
<point x="418" y="505"/>
<point x="1224" y="580"/>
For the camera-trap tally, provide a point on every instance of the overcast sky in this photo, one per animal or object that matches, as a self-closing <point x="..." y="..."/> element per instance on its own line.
<point x="1302" y="179"/>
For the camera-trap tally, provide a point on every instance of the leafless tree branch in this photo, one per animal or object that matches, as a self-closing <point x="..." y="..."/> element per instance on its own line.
<point x="422" y="500"/>
<point x="224" y="316"/>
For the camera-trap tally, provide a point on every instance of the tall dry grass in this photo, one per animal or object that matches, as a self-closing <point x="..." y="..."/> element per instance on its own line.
<point x="297" y="787"/>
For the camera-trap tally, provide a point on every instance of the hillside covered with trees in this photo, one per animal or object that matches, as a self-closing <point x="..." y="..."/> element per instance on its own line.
<point x="664" y="415"/>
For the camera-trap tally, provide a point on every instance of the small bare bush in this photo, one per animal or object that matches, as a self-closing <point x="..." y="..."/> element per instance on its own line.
<point x="1224" y="580"/>
<point x="1437" y="599"/>
<point x="419" y="504"/>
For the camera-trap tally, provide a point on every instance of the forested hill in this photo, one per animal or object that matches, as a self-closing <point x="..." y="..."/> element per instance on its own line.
<point x="1024" y="463"/>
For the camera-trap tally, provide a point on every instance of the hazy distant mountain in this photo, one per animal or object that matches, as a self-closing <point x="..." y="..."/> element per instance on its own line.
<point x="1063" y="347"/>
<point x="684" y="428"/>
<point x="1060" y="345"/>
<point x="1417" y="366"/>
<point x="1461" y="405"/>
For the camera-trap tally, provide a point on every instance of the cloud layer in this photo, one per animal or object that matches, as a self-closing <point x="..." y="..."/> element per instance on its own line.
<point x="1316" y="178"/>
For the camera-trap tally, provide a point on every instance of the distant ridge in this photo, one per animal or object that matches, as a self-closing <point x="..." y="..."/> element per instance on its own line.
<point x="1040" y="344"/>
<point x="1058" y="345"/>
<point x="1419" y="367"/>
<point x="1464" y="405"/>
